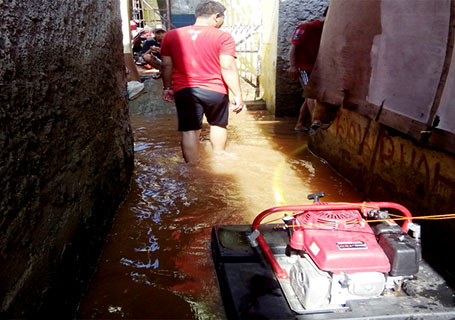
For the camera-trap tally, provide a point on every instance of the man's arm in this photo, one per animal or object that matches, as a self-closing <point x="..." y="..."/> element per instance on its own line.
<point x="166" y="74"/>
<point x="232" y="79"/>
<point x="293" y="72"/>
<point x="146" y="46"/>
<point x="151" y="59"/>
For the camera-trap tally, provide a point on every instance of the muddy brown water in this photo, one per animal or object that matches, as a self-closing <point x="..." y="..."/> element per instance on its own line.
<point x="156" y="263"/>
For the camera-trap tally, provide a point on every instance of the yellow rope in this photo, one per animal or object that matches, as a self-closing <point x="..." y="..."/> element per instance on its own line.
<point x="398" y="218"/>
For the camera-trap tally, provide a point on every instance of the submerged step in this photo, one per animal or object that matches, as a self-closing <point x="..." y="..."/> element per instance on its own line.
<point x="255" y="104"/>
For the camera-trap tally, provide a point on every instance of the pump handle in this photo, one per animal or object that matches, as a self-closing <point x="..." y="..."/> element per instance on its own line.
<point x="316" y="196"/>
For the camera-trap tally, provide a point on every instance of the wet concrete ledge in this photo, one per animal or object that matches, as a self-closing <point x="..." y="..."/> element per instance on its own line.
<point x="149" y="102"/>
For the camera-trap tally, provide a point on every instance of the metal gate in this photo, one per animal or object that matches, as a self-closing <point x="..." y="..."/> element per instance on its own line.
<point x="244" y="22"/>
<point x="149" y="12"/>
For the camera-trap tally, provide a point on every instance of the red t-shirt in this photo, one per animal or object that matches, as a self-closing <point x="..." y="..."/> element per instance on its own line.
<point x="195" y="53"/>
<point x="307" y="37"/>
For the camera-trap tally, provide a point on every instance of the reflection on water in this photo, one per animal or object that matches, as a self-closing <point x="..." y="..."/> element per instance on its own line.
<point x="156" y="263"/>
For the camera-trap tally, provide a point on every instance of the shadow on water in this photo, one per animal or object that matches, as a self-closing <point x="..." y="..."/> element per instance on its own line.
<point x="156" y="263"/>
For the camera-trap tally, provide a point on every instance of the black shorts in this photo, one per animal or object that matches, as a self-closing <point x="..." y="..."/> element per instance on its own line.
<point x="193" y="103"/>
<point x="304" y="77"/>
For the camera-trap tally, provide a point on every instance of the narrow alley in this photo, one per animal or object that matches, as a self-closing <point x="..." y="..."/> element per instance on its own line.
<point x="101" y="218"/>
<point x="158" y="252"/>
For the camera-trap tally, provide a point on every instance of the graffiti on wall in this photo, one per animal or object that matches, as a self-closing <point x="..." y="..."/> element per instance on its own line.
<point x="377" y="149"/>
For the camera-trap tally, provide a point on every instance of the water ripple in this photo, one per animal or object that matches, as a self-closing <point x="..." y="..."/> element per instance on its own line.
<point x="140" y="278"/>
<point x="139" y="264"/>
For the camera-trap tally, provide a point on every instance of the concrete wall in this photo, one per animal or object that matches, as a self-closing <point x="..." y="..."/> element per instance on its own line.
<point x="291" y="14"/>
<point x="387" y="166"/>
<point x="184" y="6"/>
<point x="66" y="148"/>
<point x="269" y="57"/>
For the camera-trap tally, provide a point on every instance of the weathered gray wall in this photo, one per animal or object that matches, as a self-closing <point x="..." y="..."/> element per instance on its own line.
<point x="151" y="102"/>
<point x="291" y="14"/>
<point x="66" y="148"/>
<point x="184" y="6"/>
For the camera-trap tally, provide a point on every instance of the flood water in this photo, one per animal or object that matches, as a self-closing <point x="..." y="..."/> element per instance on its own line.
<point x="156" y="263"/>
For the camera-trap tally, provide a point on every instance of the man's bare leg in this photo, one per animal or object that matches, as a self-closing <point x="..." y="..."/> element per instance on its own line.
<point x="302" y="115"/>
<point x="190" y="145"/>
<point x="218" y="137"/>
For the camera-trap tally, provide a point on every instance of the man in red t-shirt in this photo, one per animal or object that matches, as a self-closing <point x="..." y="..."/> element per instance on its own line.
<point x="198" y="68"/>
<point x="302" y="57"/>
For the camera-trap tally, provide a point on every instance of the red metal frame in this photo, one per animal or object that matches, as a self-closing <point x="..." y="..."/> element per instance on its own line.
<point x="320" y="206"/>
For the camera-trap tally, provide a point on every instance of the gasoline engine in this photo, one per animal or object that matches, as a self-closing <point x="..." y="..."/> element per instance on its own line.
<point x="336" y="256"/>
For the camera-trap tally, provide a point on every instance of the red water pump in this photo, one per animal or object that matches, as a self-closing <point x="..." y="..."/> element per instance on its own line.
<point x="343" y="251"/>
<point x="338" y="241"/>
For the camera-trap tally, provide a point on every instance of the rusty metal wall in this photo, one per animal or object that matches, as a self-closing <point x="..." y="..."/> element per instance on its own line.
<point x="391" y="61"/>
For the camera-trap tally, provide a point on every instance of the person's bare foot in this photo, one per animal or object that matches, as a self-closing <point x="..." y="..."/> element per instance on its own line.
<point x="301" y="128"/>
<point x="315" y="126"/>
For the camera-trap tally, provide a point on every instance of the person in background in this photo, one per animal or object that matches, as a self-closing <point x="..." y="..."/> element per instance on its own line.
<point x="302" y="57"/>
<point x="198" y="69"/>
<point x="138" y="41"/>
<point x="148" y="32"/>
<point x="137" y="44"/>
<point x="151" y="48"/>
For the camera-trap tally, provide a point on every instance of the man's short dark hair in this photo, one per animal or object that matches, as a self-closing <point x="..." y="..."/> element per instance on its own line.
<point x="207" y="8"/>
